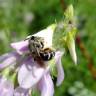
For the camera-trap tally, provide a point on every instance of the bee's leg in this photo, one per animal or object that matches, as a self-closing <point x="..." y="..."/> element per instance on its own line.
<point x="38" y="51"/>
<point x="29" y="48"/>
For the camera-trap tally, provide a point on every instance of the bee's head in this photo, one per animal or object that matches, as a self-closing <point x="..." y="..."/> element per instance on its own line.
<point x="32" y="37"/>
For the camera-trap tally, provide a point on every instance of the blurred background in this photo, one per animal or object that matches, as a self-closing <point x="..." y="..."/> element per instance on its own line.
<point x="19" y="18"/>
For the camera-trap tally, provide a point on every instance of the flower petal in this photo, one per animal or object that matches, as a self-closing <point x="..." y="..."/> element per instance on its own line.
<point x="59" y="66"/>
<point x="46" y="86"/>
<point x="8" y="59"/>
<point x="21" y="47"/>
<point x="6" y="87"/>
<point x="29" y="74"/>
<point x="47" y="34"/>
<point x="21" y="92"/>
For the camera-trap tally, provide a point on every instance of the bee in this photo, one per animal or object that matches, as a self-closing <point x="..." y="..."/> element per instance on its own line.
<point x="37" y="50"/>
<point x="47" y="54"/>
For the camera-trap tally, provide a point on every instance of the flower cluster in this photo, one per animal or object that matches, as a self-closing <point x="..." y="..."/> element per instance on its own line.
<point x="21" y="74"/>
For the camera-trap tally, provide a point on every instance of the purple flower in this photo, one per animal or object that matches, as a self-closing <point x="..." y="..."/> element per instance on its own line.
<point x="8" y="59"/>
<point x="6" y="87"/>
<point x="46" y="86"/>
<point x="31" y="74"/>
<point x="20" y="92"/>
<point x="60" y="76"/>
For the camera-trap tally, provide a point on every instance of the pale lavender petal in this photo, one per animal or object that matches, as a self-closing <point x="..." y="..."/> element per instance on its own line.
<point x="59" y="66"/>
<point x="29" y="74"/>
<point x="6" y="87"/>
<point x="46" y="85"/>
<point x="4" y="56"/>
<point x="21" y="47"/>
<point x="2" y="80"/>
<point x="8" y="59"/>
<point x="21" y="92"/>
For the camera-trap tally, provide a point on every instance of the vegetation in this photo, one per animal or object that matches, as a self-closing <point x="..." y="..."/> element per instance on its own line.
<point x="19" y="18"/>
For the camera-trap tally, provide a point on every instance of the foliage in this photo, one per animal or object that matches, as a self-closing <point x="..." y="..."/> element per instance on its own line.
<point x="15" y="25"/>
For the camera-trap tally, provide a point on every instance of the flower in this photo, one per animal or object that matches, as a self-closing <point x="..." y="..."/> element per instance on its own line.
<point x="20" y="92"/>
<point x="8" y="59"/>
<point x="46" y="86"/>
<point x="6" y="87"/>
<point x="29" y="73"/>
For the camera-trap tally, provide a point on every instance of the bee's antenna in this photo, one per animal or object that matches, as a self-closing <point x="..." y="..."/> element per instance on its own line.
<point x="28" y="37"/>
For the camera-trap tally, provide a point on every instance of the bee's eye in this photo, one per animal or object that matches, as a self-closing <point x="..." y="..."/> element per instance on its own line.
<point x="32" y="38"/>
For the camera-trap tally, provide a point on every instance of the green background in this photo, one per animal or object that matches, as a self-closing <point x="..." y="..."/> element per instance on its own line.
<point x="19" y="18"/>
